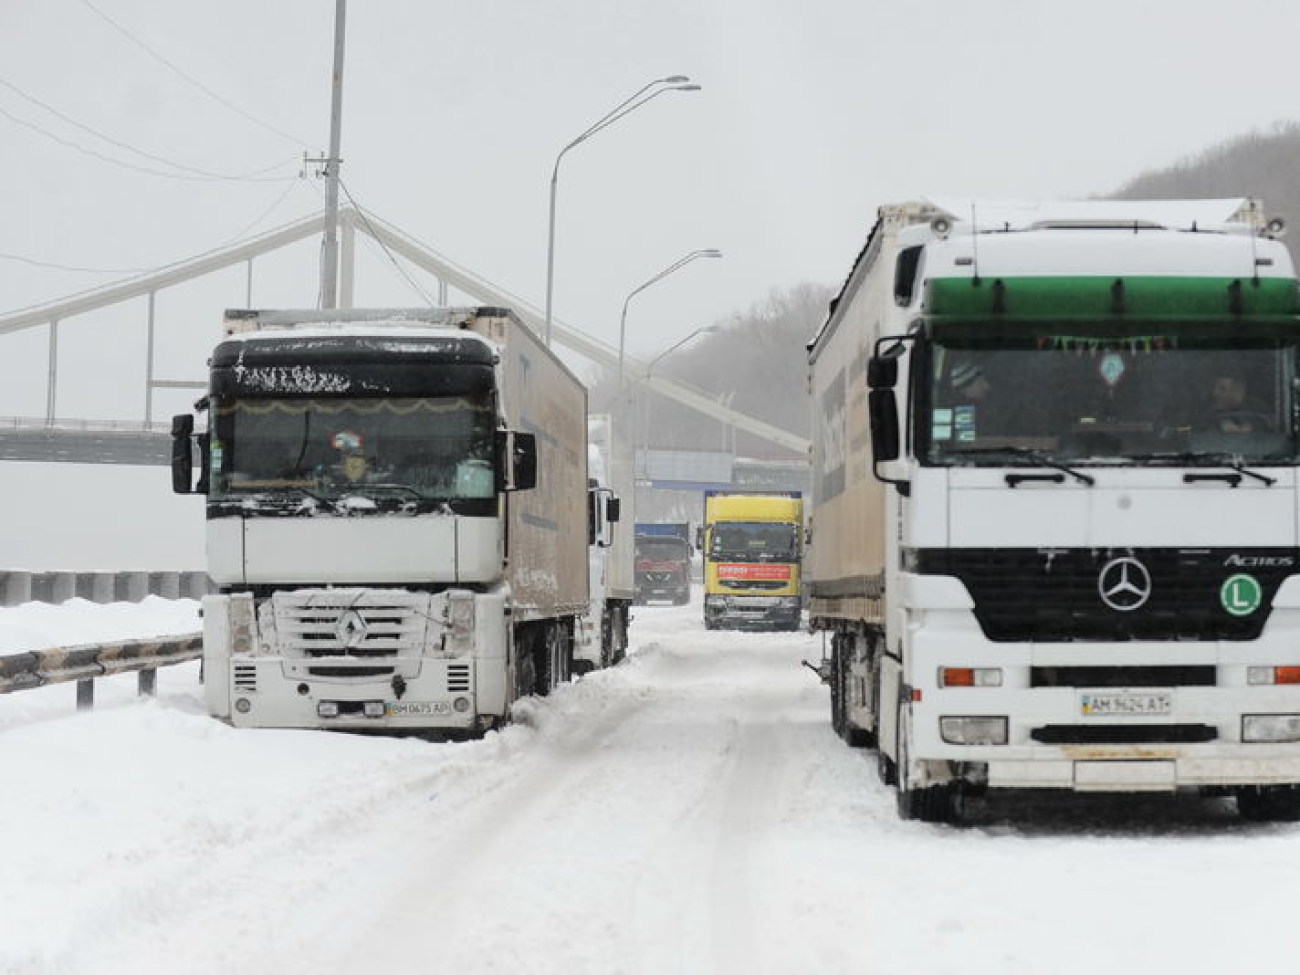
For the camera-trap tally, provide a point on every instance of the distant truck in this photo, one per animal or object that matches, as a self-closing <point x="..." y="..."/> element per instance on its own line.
<point x="1054" y="535"/>
<point x="753" y="548"/>
<point x="663" y="562"/>
<point x="611" y="485"/>
<point x="396" y="518"/>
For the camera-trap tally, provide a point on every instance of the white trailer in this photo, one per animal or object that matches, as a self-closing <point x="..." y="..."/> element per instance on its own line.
<point x="1055" y="524"/>
<point x="396" y="512"/>
<point x="611" y="487"/>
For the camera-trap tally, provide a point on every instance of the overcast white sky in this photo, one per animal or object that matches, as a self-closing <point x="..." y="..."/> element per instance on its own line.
<point x="812" y="114"/>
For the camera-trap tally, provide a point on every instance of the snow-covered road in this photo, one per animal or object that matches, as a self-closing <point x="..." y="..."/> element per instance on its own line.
<point x="688" y="811"/>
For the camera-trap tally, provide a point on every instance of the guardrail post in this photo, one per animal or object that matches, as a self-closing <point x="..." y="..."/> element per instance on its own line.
<point x="148" y="683"/>
<point x="137" y="586"/>
<point x="102" y="587"/>
<point x="17" y="588"/>
<point x="85" y="695"/>
<point x="64" y="587"/>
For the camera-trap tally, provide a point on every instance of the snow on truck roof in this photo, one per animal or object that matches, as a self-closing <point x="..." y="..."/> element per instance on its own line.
<point x="1230" y="215"/>
<point x="1078" y="251"/>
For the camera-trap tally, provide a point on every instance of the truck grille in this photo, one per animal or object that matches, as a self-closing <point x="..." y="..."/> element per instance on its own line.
<point x="1155" y="676"/>
<point x="1054" y="595"/>
<point x="1124" y="734"/>
<point x="349" y="632"/>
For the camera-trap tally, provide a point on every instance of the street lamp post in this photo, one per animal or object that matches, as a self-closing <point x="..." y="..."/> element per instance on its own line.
<point x="676" y="82"/>
<point x="645" y="396"/>
<point x="677" y="265"/>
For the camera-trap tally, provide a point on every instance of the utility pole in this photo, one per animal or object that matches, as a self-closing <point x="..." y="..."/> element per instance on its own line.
<point x="329" y="261"/>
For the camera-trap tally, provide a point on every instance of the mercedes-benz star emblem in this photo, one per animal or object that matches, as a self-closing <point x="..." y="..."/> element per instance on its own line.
<point x="1124" y="584"/>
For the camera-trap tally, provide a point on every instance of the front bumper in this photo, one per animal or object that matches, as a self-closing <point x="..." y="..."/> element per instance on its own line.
<point x="757" y="612"/>
<point x="441" y="697"/>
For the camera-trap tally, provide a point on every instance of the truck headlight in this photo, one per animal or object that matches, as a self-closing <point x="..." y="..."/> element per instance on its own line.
<point x="242" y="621"/>
<point x="973" y="731"/>
<point x="1270" y="727"/>
<point x="460" y="622"/>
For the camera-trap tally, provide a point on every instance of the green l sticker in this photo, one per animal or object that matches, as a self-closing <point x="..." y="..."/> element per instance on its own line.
<point x="1241" y="594"/>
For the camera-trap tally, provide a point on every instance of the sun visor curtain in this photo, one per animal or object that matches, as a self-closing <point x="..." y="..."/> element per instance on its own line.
<point x="337" y="368"/>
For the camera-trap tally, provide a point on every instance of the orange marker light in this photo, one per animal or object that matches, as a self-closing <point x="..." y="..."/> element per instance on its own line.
<point x="957" y="677"/>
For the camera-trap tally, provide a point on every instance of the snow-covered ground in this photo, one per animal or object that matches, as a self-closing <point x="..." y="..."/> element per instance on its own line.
<point x="687" y="811"/>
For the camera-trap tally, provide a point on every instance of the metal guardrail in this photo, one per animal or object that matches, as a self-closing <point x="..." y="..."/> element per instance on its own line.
<point x="78" y="425"/>
<point x="86" y="662"/>
<point x="19" y="586"/>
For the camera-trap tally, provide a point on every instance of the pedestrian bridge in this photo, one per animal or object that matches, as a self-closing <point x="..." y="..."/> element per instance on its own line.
<point x="54" y="437"/>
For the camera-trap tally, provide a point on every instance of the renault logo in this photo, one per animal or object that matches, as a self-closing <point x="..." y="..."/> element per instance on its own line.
<point x="1124" y="584"/>
<point x="351" y="629"/>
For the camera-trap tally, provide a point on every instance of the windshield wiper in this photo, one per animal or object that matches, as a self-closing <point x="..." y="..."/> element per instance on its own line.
<point x="406" y="488"/>
<point x="278" y="490"/>
<point x="1209" y="459"/>
<point x="1037" y="456"/>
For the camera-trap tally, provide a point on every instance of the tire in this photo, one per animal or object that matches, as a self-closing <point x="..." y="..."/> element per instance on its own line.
<point x="886" y="769"/>
<point x="559" y="652"/>
<point x="1278" y="803"/>
<point x="929" y="804"/>
<point x="853" y="736"/>
<point x="838" y="704"/>
<point x="619" y="636"/>
<point x="526" y="662"/>
<point x="608" y="634"/>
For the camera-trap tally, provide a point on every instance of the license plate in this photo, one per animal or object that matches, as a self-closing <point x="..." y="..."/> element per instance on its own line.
<point x="416" y="709"/>
<point x="1125" y="703"/>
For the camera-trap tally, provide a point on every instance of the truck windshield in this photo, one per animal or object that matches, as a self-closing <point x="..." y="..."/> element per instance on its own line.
<point x="1089" y="398"/>
<point x="754" y="541"/>
<point x="421" y="447"/>
<point x="661" y="549"/>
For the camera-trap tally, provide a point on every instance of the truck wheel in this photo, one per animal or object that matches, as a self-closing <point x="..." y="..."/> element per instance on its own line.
<point x="527" y="677"/>
<point x="886" y="769"/>
<point x="1278" y="803"/>
<point x="559" y="658"/>
<point x="853" y="736"/>
<point x="620" y="635"/>
<point x="929" y="804"/>
<point x="838" y="707"/>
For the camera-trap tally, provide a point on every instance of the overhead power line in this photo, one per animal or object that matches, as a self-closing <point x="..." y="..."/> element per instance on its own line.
<point x="86" y="150"/>
<point x="257" y="176"/>
<point x="192" y="80"/>
<point x="374" y="236"/>
<point x="69" y="267"/>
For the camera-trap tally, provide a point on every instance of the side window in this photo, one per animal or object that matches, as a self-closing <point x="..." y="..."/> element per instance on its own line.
<point x="909" y="258"/>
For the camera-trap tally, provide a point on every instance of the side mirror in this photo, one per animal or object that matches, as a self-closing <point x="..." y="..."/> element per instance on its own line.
<point x="883" y="411"/>
<point x="523" y="461"/>
<point x="882" y="371"/>
<point x="182" y="454"/>
<point x="516" y="461"/>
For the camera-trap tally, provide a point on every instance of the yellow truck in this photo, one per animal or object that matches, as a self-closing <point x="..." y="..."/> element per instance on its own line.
<point x="753" y="545"/>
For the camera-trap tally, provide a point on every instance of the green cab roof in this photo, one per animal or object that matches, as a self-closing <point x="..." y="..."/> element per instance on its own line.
<point x="1107" y="298"/>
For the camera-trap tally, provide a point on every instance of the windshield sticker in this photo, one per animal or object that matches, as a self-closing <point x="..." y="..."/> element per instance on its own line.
<point x="1111" y="368"/>
<point x="963" y="421"/>
<point x="346" y="440"/>
<point x="1241" y="594"/>
<point x="942" y="424"/>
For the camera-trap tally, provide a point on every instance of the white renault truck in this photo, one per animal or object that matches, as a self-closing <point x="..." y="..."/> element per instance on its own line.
<point x="1055" y="524"/>
<point x="396" y="518"/>
<point x="611" y="486"/>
